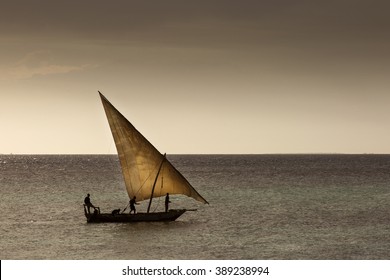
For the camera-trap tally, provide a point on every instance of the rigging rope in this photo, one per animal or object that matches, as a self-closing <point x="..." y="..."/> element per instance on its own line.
<point x="150" y="174"/>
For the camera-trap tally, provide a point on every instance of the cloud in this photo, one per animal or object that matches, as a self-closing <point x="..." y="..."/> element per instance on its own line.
<point x="38" y="63"/>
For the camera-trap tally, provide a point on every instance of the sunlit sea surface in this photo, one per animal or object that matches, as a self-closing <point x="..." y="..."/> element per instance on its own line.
<point x="261" y="207"/>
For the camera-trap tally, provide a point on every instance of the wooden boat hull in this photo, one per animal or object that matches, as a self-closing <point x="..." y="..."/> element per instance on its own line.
<point x="171" y="215"/>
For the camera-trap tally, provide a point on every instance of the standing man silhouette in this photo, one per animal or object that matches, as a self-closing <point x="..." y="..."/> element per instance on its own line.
<point x="87" y="202"/>
<point x="167" y="202"/>
<point x="132" y="205"/>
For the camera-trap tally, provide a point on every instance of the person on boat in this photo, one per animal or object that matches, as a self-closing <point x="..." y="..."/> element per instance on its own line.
<point x="167" y="202"/>
<point x="87" y="202"/>
<point x="132" y="205"/>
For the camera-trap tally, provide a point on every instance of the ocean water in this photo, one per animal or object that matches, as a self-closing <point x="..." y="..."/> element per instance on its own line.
<point x="261" y="207"/>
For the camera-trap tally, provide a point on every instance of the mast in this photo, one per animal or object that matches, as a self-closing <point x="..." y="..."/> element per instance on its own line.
<point x="155" y="181"/>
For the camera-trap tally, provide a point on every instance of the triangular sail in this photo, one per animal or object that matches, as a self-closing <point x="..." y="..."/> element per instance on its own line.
<point x="140" y="161"/>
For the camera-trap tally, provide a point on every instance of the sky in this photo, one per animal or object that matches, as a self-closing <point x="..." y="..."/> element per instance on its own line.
<point x="196" y="77"/>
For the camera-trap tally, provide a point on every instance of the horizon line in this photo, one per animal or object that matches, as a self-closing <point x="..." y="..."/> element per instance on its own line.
<point x="97" y="154"/>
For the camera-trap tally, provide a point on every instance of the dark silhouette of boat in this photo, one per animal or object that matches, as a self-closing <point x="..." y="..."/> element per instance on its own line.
<point x="146" y="172"/>
<point x="98" y="217"/>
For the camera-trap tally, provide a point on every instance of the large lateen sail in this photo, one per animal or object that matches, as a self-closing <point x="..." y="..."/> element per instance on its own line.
<point x="144" y="168"/>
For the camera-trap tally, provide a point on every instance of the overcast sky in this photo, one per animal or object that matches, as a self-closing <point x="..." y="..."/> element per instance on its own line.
<point x="196" y="76"/>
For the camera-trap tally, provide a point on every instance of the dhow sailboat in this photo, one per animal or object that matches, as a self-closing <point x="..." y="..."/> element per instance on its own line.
<point x="146" y="172"/>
